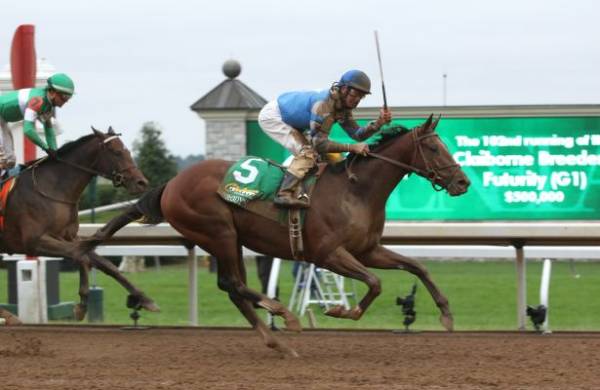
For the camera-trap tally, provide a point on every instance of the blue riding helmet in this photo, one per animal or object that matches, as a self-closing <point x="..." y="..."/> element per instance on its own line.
<point x="356" y="79"/>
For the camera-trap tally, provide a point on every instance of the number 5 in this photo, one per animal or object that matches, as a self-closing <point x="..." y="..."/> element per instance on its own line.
<point x="252" y="172"/>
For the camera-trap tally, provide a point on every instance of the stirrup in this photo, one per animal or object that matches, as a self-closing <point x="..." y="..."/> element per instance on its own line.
<point x="291" y="202"/>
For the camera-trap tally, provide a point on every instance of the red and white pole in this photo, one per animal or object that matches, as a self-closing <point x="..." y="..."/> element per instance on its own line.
<point x="23" y="71"/>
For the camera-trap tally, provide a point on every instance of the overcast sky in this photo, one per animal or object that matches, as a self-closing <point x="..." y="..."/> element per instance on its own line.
<point x="135" y="61"/>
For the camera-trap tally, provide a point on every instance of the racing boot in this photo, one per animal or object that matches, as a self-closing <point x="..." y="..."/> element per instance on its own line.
<point x="286" y="196"/>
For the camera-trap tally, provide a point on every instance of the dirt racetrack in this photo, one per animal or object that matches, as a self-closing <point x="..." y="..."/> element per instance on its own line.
<point x="187" y="358"/>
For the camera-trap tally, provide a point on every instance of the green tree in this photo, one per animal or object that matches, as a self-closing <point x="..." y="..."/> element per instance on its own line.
<point x="152" y="156"/>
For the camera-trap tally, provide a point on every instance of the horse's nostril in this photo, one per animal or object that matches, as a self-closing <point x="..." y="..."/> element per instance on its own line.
<point x="142" y="183"/>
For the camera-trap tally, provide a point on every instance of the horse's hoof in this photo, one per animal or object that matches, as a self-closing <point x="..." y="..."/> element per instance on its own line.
<point x="336" y="311"/>
<point x="293" y="324"/>
<point x="140" y="301"/>
<point x="292" y="354"/>
<point x="9" y="318"/>
<point x="447" y="322"/>
<point x="286" y="351"/>
<point x="150" y="306"/>
<point x="79" y="312"/>
<point x="356" y="313"/>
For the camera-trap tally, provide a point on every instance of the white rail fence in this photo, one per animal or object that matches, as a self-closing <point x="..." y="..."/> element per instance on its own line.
<point x="430" y="240"/>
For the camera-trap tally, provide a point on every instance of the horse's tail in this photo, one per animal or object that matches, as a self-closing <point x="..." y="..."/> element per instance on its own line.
<point x="145" y="210"/>
<point x="148" y="206"/>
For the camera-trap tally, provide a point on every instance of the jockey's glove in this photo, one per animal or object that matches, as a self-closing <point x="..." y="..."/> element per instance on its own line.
<point x="51" y="153"/>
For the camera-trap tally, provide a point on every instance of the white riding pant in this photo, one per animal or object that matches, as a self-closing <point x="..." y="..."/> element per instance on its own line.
<point x="8" y="159"/>
<point x="290" y="138"/>
<point x="271" y="122"/>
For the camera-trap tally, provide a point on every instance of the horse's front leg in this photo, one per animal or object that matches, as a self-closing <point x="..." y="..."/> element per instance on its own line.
<point x="80" y="309"/>
<point x="104" y="265"/>
<point x="343" y="263"/>
<point x="383" y="258"/>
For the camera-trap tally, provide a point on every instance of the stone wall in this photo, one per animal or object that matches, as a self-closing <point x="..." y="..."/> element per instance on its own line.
<point x="225" y="139"/>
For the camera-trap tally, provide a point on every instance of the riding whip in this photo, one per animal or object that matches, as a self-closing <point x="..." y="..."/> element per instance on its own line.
<point x="385" y="106"/>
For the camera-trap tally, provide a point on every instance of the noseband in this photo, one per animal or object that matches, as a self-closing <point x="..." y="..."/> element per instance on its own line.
<point x="431" y="173"/>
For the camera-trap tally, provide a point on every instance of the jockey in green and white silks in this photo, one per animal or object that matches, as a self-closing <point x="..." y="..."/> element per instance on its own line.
<point x="301" y="122"/>
<point x="30" y="105"/>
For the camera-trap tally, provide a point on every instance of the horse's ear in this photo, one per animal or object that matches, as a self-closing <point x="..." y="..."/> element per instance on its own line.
<point x="427" y="125"/>
<point x="435" y="122"/>
<point x="97" y="132"/>
<point x="110" y="130"/>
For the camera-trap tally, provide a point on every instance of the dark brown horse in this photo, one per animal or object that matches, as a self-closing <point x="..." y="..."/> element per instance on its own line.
<point x="41" y="217"/>
<point x="342" y="228"/>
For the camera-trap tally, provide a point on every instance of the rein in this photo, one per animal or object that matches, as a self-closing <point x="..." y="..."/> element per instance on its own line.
<point x="116" y="176"/>
<point x="399" y="164"/>
<point x="430" y="173"/>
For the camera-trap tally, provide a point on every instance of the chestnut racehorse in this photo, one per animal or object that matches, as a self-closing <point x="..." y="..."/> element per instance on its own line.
<point x="41" y="216"/>
<point x="342" y="229"/>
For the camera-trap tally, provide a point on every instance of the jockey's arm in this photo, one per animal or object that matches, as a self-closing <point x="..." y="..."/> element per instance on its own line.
<point x="361" y="133"/>
<point x="29" y="117"/>
<point x="323" y="144"/>
<point x="320" y="127"/>
<point x="50" y="135"/>
<point x="31" y="133"/>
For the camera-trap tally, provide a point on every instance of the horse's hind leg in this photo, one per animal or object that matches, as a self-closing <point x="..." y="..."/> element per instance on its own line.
<point x="271" y="305"/>
<point x="245" y="307"/>
<point x="231" y="278"/>
<point x="111" y="270"/>
<point x="383" y="258"/>
<point x="108" y="230"/>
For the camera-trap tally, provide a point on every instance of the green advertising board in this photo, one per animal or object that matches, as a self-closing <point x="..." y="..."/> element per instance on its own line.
<point x="521" y="168"/>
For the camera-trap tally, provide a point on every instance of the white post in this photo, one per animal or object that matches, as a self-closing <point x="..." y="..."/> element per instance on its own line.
<point x="192" y="286"/>
<point x="296" y="297"/>
<point x="272" y="285"/>
<point x="31" y="290"/>
<point x="306" y="292"/>
<point x="545" y="291"/>
<point x="273" y="278"/>
<point x="521" y="288"/>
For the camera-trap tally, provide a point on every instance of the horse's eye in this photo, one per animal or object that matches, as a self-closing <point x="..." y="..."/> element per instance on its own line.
<point x="434" y="148"/>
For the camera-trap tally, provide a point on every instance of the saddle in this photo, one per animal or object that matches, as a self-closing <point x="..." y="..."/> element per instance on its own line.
<point x="6" y="185"/>
<point x="252" y="183"/>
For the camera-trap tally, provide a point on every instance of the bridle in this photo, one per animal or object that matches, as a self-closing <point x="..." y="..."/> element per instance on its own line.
<point x="117" y="177"/>
<point x="431" y="173"/>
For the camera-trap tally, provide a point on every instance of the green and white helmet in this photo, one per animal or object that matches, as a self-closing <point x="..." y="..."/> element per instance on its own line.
<point x="61" y="83"/>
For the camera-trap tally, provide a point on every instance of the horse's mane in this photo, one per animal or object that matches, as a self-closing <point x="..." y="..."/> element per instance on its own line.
<point x="384" y="136"/>
<point x="388" y="134"/>
<point x="66" y="148"/>
<point x="379" y="140"/>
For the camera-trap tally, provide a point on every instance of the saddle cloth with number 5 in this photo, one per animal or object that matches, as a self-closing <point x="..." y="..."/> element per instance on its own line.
<point x="252" y="183"/>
